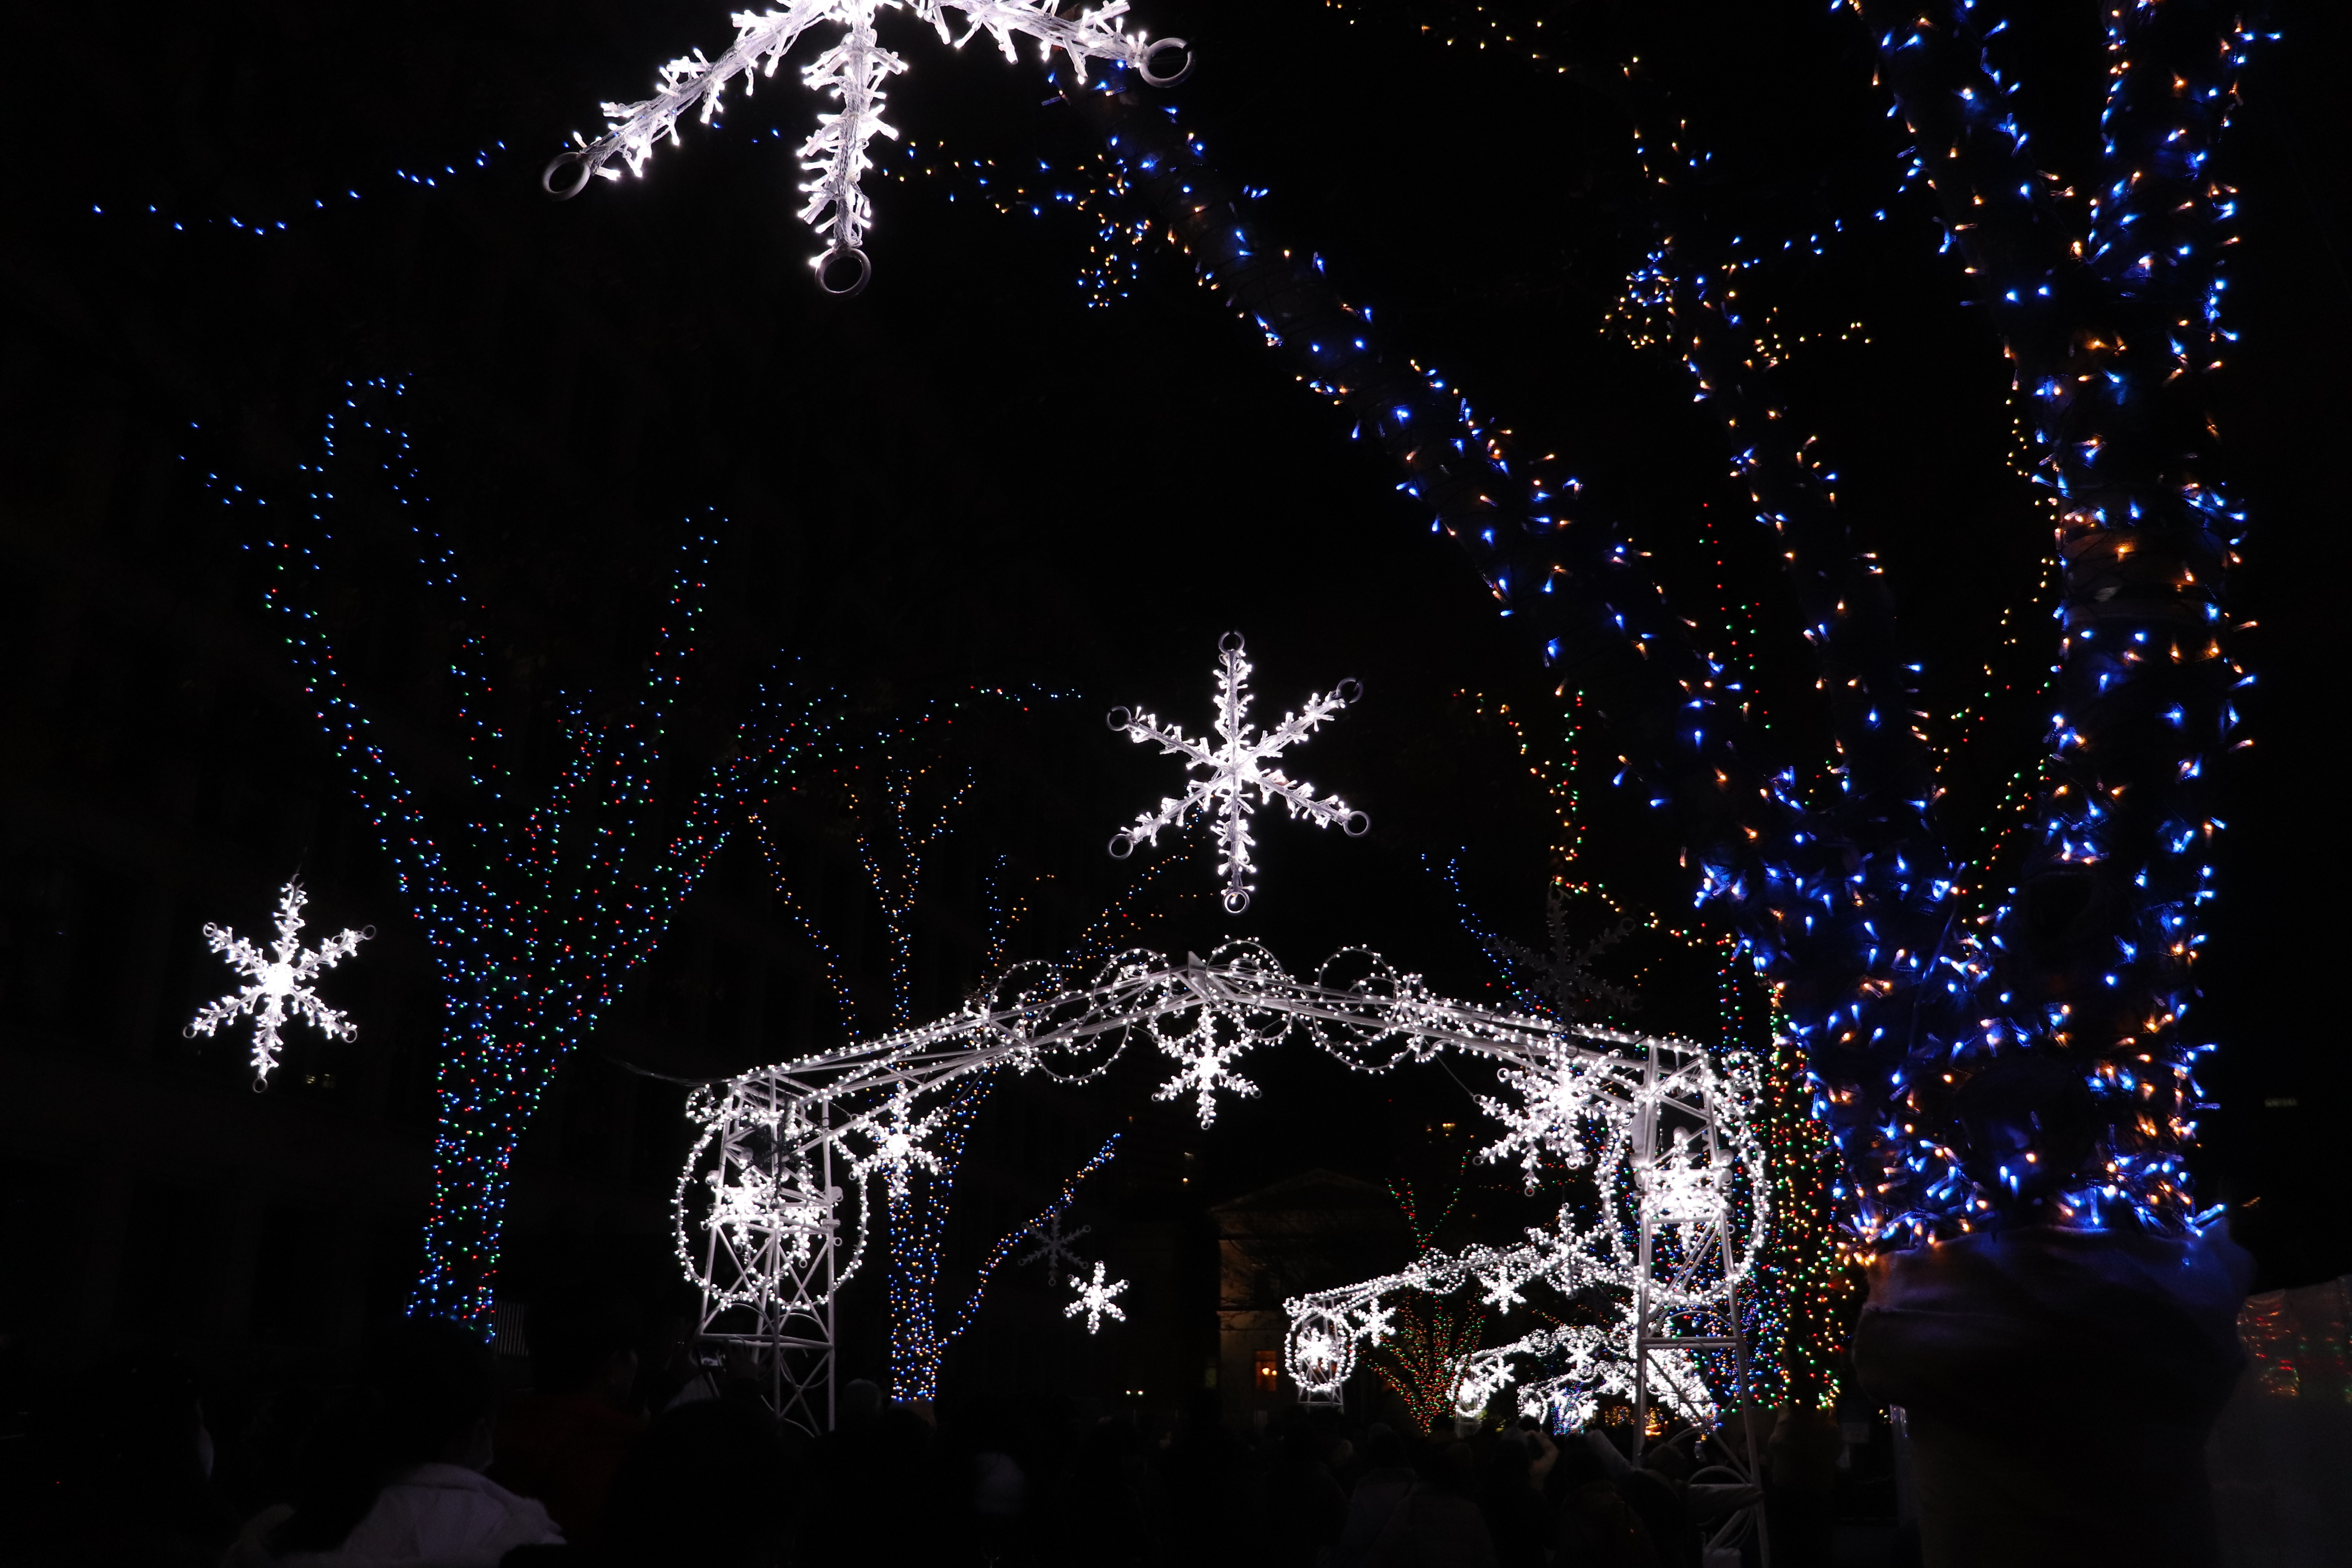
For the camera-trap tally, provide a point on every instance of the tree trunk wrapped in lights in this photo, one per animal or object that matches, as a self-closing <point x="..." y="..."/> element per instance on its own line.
<point x="536" y="900"/>
<point x="2013" y="1098"/>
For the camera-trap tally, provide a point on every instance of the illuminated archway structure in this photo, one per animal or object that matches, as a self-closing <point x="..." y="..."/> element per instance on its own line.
<point x="767" y="1228"/>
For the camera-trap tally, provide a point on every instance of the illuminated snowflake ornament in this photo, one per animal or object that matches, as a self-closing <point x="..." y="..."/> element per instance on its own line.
<point x="1236" y="762"/>
<point x="1095" y="1302"/>
<point x="1053" y="1249"/>
<point x="281" y="983"/>
<point x="1208" y="1068"/>
<point x="1545" y="1117"/>
<point x="852" y="72"/>
<point x="898" y="1148"/>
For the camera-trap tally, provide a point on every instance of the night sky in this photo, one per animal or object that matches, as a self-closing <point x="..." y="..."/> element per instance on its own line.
<point x="975" y="475"/>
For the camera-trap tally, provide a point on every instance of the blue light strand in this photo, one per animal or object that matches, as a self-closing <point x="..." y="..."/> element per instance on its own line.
<point x="1020" y="1233"/>
<point x="2110" y="312"/>
<point x="1800" y="902"/>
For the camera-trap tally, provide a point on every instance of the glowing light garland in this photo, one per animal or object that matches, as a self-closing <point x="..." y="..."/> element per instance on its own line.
<point x="853" y="72"/>
<point x="1234" y="764"/>
<point x="535" y="904"/>
<point x="281" y="980"/>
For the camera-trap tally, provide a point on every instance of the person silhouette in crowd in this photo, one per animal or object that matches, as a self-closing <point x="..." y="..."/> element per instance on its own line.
<point x="1516" y="1515"/>
<point x="1597" y="1530"/>
<point x="1388" y="1479"/>
<point x="125" y="1476"/>
<point x="397" y="1477"/>
<point x="561" y="1439"/>
<point x="1438" y="1524"/>
<point x="1306" y="1509"/>
<point x="709" y="1485"/>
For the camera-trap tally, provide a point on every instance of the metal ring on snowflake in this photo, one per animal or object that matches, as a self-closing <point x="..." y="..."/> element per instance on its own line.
<point x="584" y="171"/>
<point x="1121" y="847"/>
<point x="1319" y="1355"/>
<point x="825" y="271"/>
<point x="1236" y="901"/>
<point x="1152" y="51"/>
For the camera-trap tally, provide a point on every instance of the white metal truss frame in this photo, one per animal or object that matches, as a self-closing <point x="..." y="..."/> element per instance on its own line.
<point x="760" y="1216"/>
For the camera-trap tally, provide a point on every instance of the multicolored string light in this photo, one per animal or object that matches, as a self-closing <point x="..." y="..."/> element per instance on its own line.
<point x="535" y="904"/>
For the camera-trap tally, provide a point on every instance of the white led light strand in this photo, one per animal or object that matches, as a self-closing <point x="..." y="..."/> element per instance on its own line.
<point x="281" y="983"/>
<point x="1233" y="764"/>
<point x="852" y="72"/>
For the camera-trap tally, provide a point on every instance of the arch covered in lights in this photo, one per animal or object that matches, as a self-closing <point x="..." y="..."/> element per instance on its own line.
<point x="772" y="1209"/>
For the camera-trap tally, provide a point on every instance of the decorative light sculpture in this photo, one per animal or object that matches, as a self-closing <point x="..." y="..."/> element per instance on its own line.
<point x="281" y="983"/>
<point x="853" y="72"/>
<point x="1610" y="1100"/>
<point x="1233" y="764"/>
<point x="1666" y="1137"/>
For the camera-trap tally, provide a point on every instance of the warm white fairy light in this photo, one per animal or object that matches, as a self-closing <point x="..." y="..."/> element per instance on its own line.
<point x="1232" y="765"/>
<point x="1095" y="1301"/>
<point x="852" y="72"/>
<point x="281" y="983"/>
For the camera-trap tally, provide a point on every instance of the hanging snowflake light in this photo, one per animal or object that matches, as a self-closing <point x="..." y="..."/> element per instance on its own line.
<point x="1095" y="1302"/>
<point x="1236" y="762"/>
<point x="1053" y="1249"/>
<point x="282" y="982"/>
<point x="852" y="71"/>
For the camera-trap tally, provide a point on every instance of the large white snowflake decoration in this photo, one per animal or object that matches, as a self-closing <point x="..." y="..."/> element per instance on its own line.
<point x="1095" y="1301"/>
<point x="1684" y="1186"/>
<point x="1548" y="1116"/>
<point x="771" y="1193"/>
<point x="853" y="72"/>
<point x="1053" y="1249"/>
<point x="1234" y="764"/>
<point x="281" y="983"/>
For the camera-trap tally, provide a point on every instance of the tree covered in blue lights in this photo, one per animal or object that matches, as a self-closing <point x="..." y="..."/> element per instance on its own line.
<point x="1986" y="1052"/>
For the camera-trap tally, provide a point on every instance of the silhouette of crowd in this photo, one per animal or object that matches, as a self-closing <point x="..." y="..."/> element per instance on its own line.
<point x="602" y="1461"/>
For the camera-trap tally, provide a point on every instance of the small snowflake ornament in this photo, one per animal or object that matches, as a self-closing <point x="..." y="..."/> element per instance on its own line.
<point x="281" y="983"/>
<point x="1053" y="1249"/>
<point x="1236" y="762"/>
<point x="1095" y="1302"/>
<point x="898" y="1148"/>
<point x="852" y="72"/>
<point x="1208" y="1068"/>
